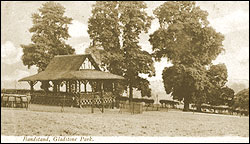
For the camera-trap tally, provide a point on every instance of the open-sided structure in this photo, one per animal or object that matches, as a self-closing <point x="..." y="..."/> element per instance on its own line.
<point x="74" y="72"/>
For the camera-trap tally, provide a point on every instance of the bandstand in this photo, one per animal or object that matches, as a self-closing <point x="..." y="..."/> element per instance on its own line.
<point x="74" y="73"/>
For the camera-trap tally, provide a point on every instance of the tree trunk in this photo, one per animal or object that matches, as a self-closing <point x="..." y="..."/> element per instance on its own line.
<point x="130" y="93"/>
<point x="186" y="104"/>
<point x="198" y="107"/>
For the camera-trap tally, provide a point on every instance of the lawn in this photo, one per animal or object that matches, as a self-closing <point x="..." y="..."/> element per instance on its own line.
<point x="42" y="120"/>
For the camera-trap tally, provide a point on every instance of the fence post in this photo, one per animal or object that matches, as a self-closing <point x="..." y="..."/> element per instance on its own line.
<point x="62" y="110"/>
<point x="92" y="104"/>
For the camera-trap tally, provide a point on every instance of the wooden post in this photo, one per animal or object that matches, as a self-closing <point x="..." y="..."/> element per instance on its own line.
<point x="102" y="96"/>
<point x="70" y="83"/>
<point x="54" y="86"/>
<point x="62" y="110"/>
<point x="79" y="86"/>
<point x="76" y="86"/>
<point x="92" y="86"/>
<point x="85" y="86"/>
<point x="66" y="84"/>
<point x="58" y="86"/>
<point x="92" y="104"/>
<point x="113" y="86"/>
<point x="113" y="95"/>
<point x="45" y="84"/>
<point x="31" y="86"/>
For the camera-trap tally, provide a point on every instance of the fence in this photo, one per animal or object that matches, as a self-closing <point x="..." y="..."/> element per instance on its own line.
<point x="133" y="107"/>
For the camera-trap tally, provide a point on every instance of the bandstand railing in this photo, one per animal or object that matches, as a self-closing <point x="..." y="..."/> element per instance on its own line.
<point x="73" y="99"/>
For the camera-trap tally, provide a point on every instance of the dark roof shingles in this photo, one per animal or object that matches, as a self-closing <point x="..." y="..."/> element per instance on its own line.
<point x="67" y="67"/>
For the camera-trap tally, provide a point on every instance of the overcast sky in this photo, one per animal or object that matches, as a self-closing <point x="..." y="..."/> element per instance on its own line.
<point x="229" y="18"/>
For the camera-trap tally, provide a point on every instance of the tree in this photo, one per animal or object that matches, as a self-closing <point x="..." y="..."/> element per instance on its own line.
<point x="242" y="100"/>
<point x="50" y="30"/>
<point x="114" y="29"/>
<point x="188" y="83"/>
<point x="217" y="75"/>
<point x="190" y="44"/>
<point x="227" y="96"/>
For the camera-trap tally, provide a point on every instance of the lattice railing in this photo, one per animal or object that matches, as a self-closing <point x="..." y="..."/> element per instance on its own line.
<point x="71" y="99"/>
<point x="89" y="99"/>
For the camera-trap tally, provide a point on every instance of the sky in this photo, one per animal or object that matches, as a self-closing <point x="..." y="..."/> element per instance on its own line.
<point x="229" y="18"/>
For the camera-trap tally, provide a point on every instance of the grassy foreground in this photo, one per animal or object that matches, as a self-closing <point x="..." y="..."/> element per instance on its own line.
<point x="42" y="120"/>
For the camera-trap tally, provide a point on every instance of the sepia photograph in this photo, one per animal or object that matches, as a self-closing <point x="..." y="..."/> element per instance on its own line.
<point x="125" y="71"/>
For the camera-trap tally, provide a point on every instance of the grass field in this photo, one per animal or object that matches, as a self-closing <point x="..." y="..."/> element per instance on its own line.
<point x="42" y="120"/>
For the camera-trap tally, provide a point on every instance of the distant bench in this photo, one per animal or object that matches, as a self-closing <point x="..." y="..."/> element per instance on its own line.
<point x="15" y="100"/>
<point x="222" y="109"/>
<point x="170" y="103"/>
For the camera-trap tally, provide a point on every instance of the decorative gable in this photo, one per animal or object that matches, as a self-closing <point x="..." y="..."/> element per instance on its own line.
<point x="87" y="64"/>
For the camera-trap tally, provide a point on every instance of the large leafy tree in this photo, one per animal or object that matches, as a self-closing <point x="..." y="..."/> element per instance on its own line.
<point x="218" y="94"/>
<point x="114" y="29"/>
<point x="241" y="100"/>
<point x="187" y="40"/>
<point x="50" y="30"/>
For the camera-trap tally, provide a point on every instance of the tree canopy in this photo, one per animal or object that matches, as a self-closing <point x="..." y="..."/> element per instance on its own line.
<point x="241" y="100"/>
<point x="227" y="96"/>
<point x="114" y="30"/>
<point x="50" y="30"/>
<point x="184" y="35"/>
<point x="190" y="44"/>
<point x="219" y="93"/>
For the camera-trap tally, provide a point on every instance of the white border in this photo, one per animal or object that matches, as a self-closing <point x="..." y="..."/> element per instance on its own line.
<point x="127" y="139"/>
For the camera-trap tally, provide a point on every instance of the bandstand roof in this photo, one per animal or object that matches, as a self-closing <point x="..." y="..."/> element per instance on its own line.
<point x="67" y="68"/>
